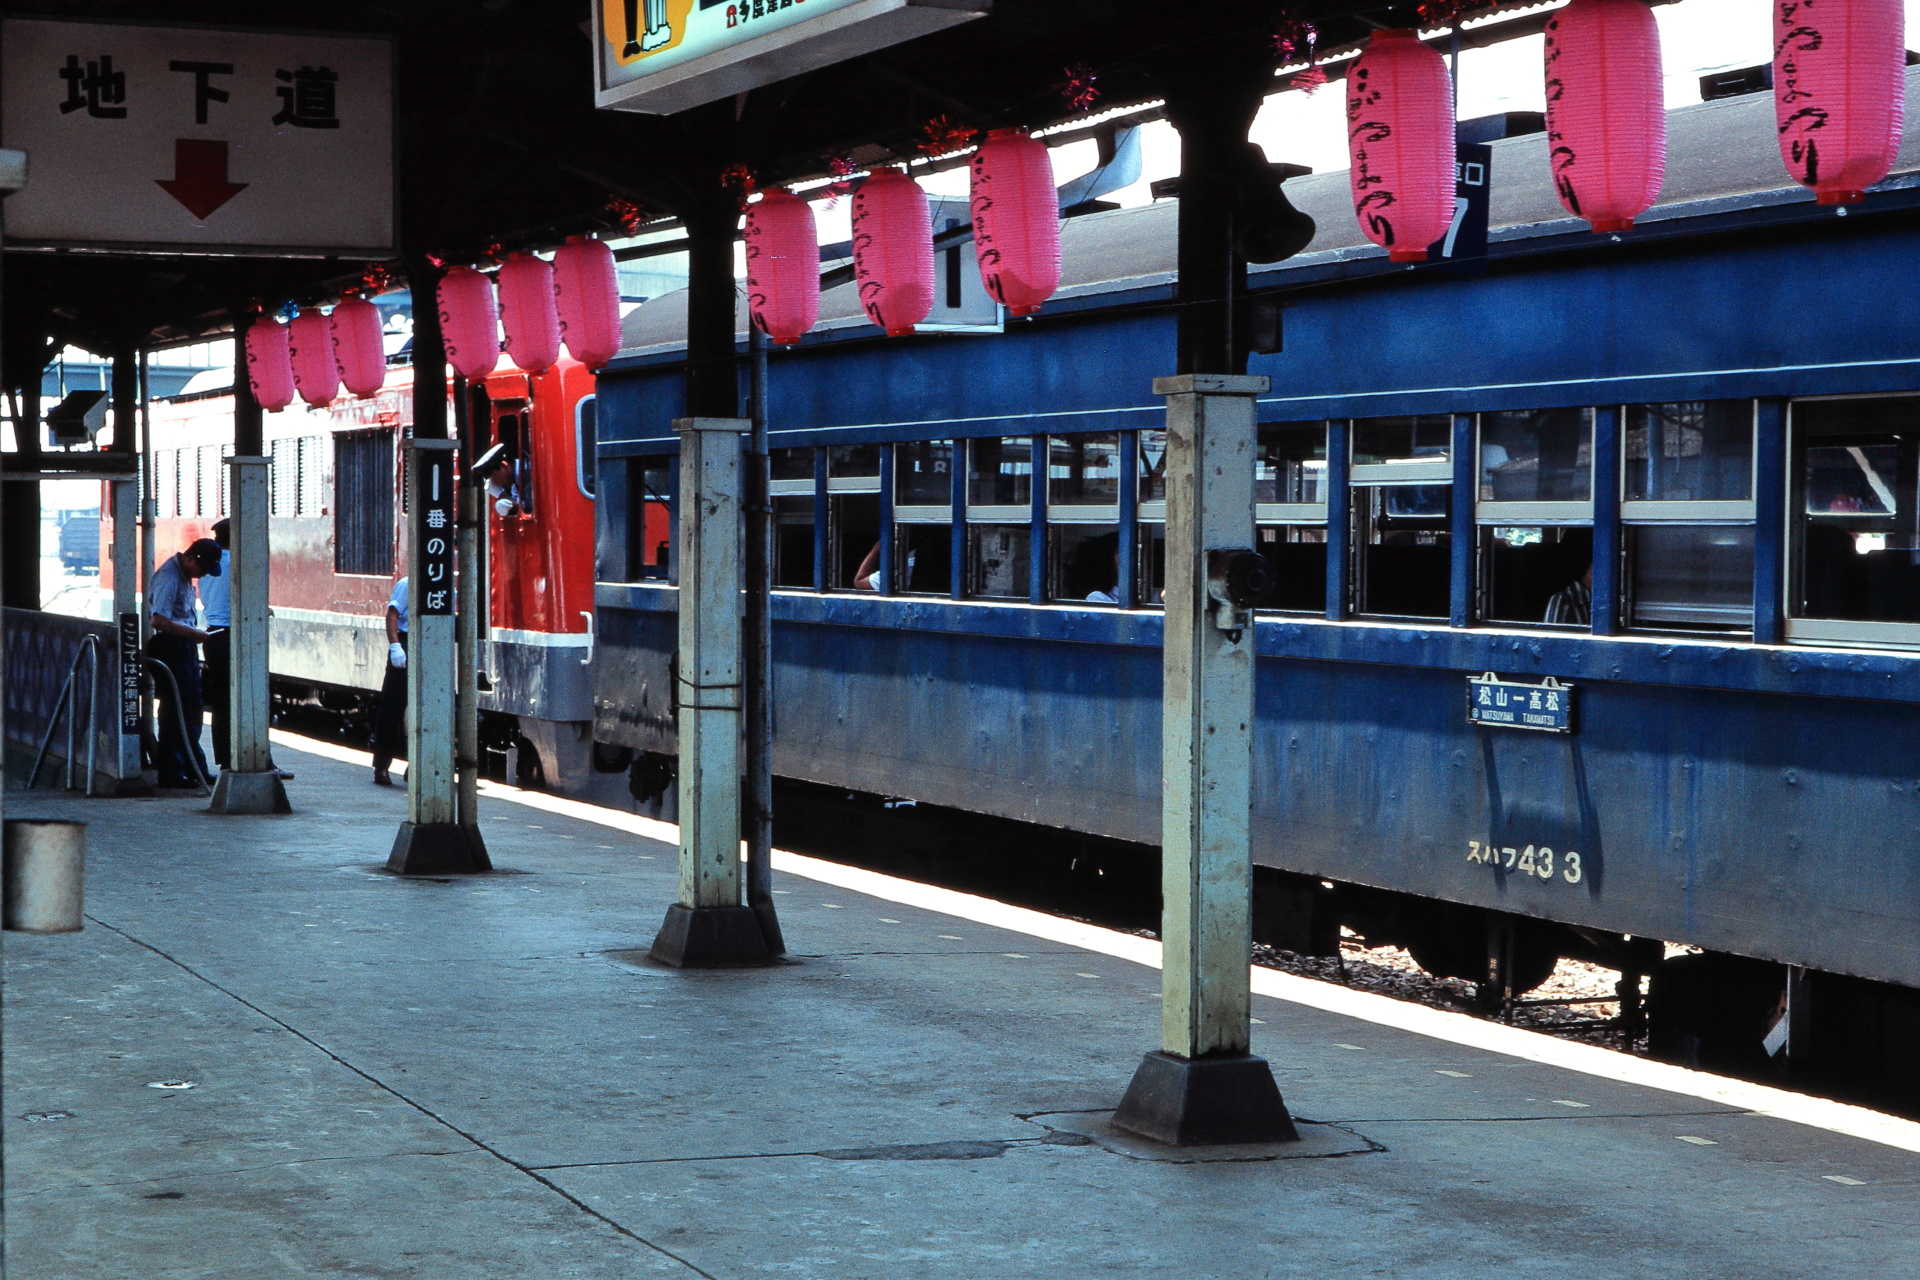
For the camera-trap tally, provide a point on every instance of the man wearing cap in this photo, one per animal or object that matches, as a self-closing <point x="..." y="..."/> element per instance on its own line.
<point x="171" y="600"/>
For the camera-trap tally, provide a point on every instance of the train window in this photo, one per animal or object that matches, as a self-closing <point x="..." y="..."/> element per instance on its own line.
<point x="1290" y="465"/>
<point x="999" y="477"/>
<point x="1402" y="554"/>
<point x="283" y="467"/>
<point x="164" y="483"/>
<point x="792" y="466"/>
<point x="923" y="558"/>
<point x="1298" y="554"/>
<point x="1690" y="577"/>
<point x="650" y="529"/>
<point x="1541" y="458"/>
<point x="210" y="494"/>
<point x="793" y="538"/>
<point x="1693" y="451"/>
<point x="1402" y="450"/>
<point x="1083" y="563"/>
<point x="923" y="479"/>
<point x="1153" y="465"/>
<point x="586" y="432"/>
<point x="1856" y="549"/>
<point x="313" y="470"/>
<point x="997" y="560"/>
<point x="854" y="461"/>
<point x="1083" y="471"/>
<point x="363" y="502"/>
<point x="853" y="540"/>
<point x="1537" y="574"/>
<point x="1150" y="560"/>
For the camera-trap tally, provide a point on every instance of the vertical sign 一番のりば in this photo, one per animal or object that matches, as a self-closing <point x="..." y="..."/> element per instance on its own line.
<point x="431" y="591"/>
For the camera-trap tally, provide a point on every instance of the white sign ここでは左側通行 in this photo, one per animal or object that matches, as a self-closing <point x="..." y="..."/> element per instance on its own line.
<point x="171" y="137"/>
<point x="663" y="56"/>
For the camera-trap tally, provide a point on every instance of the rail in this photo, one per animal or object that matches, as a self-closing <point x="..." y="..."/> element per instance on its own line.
<point x="89" y="643"/>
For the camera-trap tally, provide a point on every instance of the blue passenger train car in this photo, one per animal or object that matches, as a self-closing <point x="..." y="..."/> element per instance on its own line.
<point x="1672" y="474"/>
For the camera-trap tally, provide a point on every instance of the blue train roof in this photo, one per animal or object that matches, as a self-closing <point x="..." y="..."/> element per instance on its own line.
<point x="1723" y="161"/>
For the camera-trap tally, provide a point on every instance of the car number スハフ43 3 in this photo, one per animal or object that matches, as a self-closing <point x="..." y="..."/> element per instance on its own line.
<point x="1532" y="860"/>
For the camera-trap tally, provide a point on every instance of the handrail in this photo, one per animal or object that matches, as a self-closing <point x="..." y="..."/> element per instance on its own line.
<point x="89" y="643"/>
<point x="180" y="719"/>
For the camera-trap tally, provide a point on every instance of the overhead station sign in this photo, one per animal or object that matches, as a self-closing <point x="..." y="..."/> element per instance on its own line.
<point x="663" y="56"/>
<point x="169" y="139"/>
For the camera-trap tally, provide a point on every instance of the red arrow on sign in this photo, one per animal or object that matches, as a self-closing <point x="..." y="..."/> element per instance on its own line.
<point x="199" y="178"/>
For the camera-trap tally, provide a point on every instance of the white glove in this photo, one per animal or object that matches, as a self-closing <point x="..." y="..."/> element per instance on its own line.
<point x="504" y="507"/>
<point x="397" y="654"/>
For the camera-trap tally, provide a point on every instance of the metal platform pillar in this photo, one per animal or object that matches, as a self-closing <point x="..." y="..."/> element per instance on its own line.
<point x="249" y="783"/>
<point x="710" y="926"/>
<point x="431" y="841"/>
<point x="1202" y="1086"/>
<point x="123" y="500"/>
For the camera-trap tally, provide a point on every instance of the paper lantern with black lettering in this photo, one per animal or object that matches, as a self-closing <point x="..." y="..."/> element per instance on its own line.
<point x="893" y="251"/>
<point x="1400" y="141"/>
<point x="1606" y="110"/>
<point x="528" y="312"/>
<point x="783" y="265"/>
<point x="310" y="348"/>
<point x="1016" y="220"/>
<point x="358" y="347"/>
<point x="586" y="290"/>
<point x="269" y="365"/>
<point x="1839" y="92"/>
<point x="469" y="325"/>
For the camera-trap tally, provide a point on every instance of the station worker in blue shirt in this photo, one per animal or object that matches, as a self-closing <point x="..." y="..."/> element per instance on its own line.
<point x="171" y="600"/>
<point x="390" y="720"/>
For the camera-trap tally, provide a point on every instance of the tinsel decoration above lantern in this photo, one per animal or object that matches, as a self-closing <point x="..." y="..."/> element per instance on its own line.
<point x="269" y="365"/>
<point x="893" y="251"/>
<point x="1016" y="220"/>
<point x="1400" y="141"/>
<point x="1606" y="110"/>
<point x="586" y="290"/>
<point x="310" y="348"/>
<point x="527" y="312"/>
<point x="358" y="347"/>
<point x="469" y="325"/>
<point x="1839" y="92"/>
<point x="783" y="265"/>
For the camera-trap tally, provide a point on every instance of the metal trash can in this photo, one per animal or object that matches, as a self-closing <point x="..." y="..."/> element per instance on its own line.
<point x="44" y="873"/>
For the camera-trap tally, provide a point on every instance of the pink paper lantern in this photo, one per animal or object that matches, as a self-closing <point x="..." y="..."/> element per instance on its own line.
<point x="1016" y="220"/>
<point x="469" y="325"/>
<point x="1606" y="110"/>
<point x="783" y="265"/>
<point x="893" y="251"/>
<point x="358" y="347"/>
<point x="310" y="346"/>
<point x="1839" y="92"/>
<point x="1400" y="139"/>
<point x="586" y="290"/>
<point x="528" y="312"/>
<point x="269" y="365"/>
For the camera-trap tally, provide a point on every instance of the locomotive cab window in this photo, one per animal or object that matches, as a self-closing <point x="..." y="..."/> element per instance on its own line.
<point x="1402" y="511"/>
<point x="792" y="491"/>
<point x="585" y="443"/>
<point x="923" y="517"/>
<point x="1687" y="503"/>
<point x="1856" y="535"/>
<point x="1290" y="504"/>
<point x="513" y="480"/>
<point x="1083" y="518"/>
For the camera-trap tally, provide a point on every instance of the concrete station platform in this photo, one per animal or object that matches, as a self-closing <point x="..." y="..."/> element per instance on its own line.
<point x="469" y="1078"/>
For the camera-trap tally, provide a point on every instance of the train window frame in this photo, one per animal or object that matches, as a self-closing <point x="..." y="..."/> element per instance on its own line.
<point x="1631" y="594"/>
<point x="998" y="513"/>
<point x="1797" y="628"/>
<point x="1061" y="510"/>
<point x="1702" y="511"/>
<point x="923" y="512"/>
<point x="1522" y="513"/>
<point x="1361" y="514"/>
<point x="1280" y="528"/>
<point x="1414" y="469"/>
<point x="585" y="454"/>
<point x="1291" y="513"/>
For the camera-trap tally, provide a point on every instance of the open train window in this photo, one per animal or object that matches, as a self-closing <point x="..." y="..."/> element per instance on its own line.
<point x="650" y="529"/>
<point x="1083" y="514"/>
<point x="792" y="487"/>
<point x="923" y="517"/>
<point x="1402" y="551"/>
<point x="1298" y="554"/>
<point x="513" y="480"/>
<point x="1290" y="505"/>
<point x="998" y="560"/>
<point x="1856" y="522"/>
<point x="1537" y="575"/>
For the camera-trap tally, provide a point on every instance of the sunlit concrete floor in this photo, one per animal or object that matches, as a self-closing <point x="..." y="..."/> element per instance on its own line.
<point x="466" y="1078"/>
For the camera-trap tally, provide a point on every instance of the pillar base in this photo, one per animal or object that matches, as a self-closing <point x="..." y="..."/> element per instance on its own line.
<point x="437" y="849"/>
<point x="711" y="938"/>
<point x="1196" y="1102"/>
<point x="260" y="792"/>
